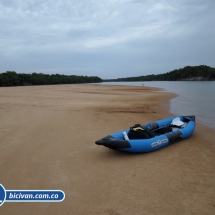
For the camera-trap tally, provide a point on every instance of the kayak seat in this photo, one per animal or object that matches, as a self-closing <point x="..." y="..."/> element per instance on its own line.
<point x="139" y="132"/>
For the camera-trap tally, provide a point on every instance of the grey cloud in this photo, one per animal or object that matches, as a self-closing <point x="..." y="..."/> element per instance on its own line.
<point x="115" y="38"/>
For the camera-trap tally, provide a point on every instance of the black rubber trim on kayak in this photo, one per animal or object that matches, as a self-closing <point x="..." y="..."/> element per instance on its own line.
<point x="113" y="143"/>
<point x="174" y="137"/>
<point x="189" y="118"/>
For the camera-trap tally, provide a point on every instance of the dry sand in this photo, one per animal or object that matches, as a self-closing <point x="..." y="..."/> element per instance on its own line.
<point x="47" y="136"/>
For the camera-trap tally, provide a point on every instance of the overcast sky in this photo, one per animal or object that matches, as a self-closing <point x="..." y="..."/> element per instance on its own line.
<point x="106" y="38"/>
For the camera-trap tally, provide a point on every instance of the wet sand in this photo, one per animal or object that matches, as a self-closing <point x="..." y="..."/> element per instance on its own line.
<point x="47" y="136"/>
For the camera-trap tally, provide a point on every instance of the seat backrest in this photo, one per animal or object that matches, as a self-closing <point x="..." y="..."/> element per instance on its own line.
<point x="139" y="132"/>
<point x="177" y="121"/>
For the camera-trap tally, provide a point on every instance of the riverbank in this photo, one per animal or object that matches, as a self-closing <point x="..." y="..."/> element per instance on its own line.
<point x="190" y="100"/>
<point x="47" y="142"/>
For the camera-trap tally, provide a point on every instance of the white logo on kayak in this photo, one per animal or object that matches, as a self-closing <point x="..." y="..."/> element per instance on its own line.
<point x="159" y="142"/>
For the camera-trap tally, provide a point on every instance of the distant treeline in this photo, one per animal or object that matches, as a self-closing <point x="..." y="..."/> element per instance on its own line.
<point x="188" y="73"/>
<point x="11" y="78"/>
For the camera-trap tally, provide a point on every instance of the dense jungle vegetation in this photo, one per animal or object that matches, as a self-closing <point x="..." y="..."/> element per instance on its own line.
<point x="188" y="73"/>
<point x="11" y="78"/>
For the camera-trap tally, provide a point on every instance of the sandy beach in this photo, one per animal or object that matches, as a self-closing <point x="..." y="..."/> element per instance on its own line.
<point x="47" y="141"/>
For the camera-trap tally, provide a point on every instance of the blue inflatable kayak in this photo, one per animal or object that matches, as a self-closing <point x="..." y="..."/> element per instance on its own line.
<point x="150" y="136"/>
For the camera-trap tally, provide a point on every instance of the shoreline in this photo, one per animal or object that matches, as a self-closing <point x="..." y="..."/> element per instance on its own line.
<point x="48" y="136"/>
<point x="184" y="104"/>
